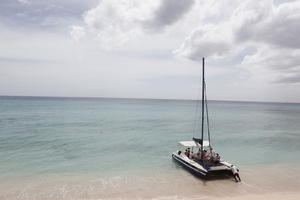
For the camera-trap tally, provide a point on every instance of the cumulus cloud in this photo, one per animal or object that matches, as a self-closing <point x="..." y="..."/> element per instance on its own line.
<point x="206" y="41"/>
<point x="280" y="65"/>
<point x="266" y="23"/>
<point x="77" y="32"/>
<point x="169" y="12"/>
<point x="253" y="41"/>
<point x="223" y="30"/>
<point x="293" y="78"/>
<point x="272" y="29"/>
<point x="113" y="22"/>
<point x="283" y="30"/>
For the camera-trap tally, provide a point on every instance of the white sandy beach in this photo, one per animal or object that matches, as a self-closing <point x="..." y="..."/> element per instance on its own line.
<point x="271" y="196"/>
<point x="260" y="182"/>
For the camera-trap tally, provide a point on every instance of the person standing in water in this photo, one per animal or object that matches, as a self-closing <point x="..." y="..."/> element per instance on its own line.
<point x="235" y="172"/>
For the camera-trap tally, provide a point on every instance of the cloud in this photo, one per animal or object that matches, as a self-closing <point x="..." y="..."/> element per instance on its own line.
<point x="278" y="65"/>
<point x="111" y="23"/>
<point x="77" y="32"/>
<point x="168" y="13"/>
<point x="114" y="22"/>
<point x="24" y="1"/>
<point x="205" y="41"/>
<point x="47" y="15"/>
<point x="294" y="78"/>
<point x="264" y="22"/>
<point x="272" y="29"/>
<point x="224" y="32"/>
<point x="252" y="46"/>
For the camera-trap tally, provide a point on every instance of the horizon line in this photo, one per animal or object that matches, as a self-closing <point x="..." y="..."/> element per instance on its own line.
<point x="138" y="98"/>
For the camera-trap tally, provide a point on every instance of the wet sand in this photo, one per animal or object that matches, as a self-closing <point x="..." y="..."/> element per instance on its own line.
<point x="271" y="196"/>
<point x="258" y="182"/>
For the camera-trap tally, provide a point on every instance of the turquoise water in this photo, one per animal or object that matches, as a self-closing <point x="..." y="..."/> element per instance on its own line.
<point x="41" y="136"/>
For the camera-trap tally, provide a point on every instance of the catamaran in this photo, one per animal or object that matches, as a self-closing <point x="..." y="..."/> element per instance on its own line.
<point x="199" y="157"/>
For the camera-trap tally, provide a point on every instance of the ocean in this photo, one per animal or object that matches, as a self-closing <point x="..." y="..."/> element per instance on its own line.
<point x="104" y="148"/>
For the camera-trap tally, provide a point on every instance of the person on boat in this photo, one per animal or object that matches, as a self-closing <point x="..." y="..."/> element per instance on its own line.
<point x="235" y="172"/>
<point x="199" y="151"/>
<point x="217" y="159"/>
<point x="208" y="156"/>
<point x="205" y="155"/>
<point x="197" y="155"/>
<point x="188" y="152"/>
<point x="212" y="153"/>
<point x="191" y="155"/>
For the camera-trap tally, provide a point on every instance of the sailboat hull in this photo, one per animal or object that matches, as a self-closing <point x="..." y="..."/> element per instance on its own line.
<point x="196" y="170"/>
<point x="214" y="172"/>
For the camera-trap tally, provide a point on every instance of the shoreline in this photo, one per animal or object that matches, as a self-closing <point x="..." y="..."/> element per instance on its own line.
<point x="260" y="182"/>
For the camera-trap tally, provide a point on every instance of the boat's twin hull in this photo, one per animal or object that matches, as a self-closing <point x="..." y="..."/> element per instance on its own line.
<point x="200" y="171"/>
<point x="194" y="170"/>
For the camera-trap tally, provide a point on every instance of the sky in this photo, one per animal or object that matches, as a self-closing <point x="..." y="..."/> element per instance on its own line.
<point x="151" y="49"/>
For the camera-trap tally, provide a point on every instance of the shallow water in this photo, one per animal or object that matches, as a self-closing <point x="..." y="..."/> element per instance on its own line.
<point x="52" y="141"/>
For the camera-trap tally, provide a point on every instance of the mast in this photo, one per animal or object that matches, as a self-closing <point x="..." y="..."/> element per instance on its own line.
<point x="202" y="128"/>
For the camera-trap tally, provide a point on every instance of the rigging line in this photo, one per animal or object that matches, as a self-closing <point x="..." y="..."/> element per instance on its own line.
<point x="207" y="118"/>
